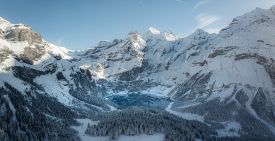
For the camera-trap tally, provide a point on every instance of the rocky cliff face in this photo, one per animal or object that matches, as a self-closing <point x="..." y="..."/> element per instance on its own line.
<point x="224" y="80"/>
<point x="22" y="33"/>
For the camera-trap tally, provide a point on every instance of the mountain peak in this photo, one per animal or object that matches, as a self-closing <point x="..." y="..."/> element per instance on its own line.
<point x="3" y="20"/>
<point x="169" y="36"/>
<point x="153" y="30"/>
<point x="4" y="23"/>
<point x="155" y="33"/>
<point x="199" y="33"/>
<point x="136" y="40"/>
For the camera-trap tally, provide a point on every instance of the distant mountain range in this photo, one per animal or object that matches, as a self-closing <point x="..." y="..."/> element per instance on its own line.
<point x="224" y="82"/>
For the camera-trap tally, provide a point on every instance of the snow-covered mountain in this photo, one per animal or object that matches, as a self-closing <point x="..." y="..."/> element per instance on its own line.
<point x="224" y="80"/>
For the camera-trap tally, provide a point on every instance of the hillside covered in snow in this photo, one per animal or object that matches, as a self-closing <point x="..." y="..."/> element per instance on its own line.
<point x="216" y="86"/>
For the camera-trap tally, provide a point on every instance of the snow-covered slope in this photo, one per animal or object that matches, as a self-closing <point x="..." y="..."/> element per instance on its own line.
<point x="225" y="79"/>
<point x="42" y="89"/>
<point x="233" y="70"/>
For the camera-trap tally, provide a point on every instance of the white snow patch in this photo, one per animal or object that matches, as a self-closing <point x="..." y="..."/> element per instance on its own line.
<point x="56" y="50"/>
<point x="153" y="30"/>
<point x="16" y="47"/>
<point x="231" y="129"/>
<point x="112" y="108"/>
<point x="83" y="125"/>
<point x="221" y="93"/>
<point x="188" y="116"/>
<point x="155" y="137"/>
<point x="169" y="36"/>
<point x="58" y="90"/>
<point x="15" y="82"/>
<point x="54" y="88"/>
<point x="158" y="90"/>
<point x="4" y="24"/>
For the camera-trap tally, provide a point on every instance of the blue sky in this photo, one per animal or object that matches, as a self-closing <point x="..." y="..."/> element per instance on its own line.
<point x="80" y="24"/>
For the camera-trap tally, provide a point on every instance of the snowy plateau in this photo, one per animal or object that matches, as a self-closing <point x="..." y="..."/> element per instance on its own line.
<point x="150" y="86"/>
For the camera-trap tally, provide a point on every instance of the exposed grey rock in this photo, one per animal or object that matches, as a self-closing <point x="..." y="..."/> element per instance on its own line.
<point x="131" y="74"/>
<point x="23" y="34"/>
<point x="32" y="54"/>
<point x="201" y="63"/>
<point x="4" y="53"/>
<point x="221" y="51"/>
<point x="1" y="33"/>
